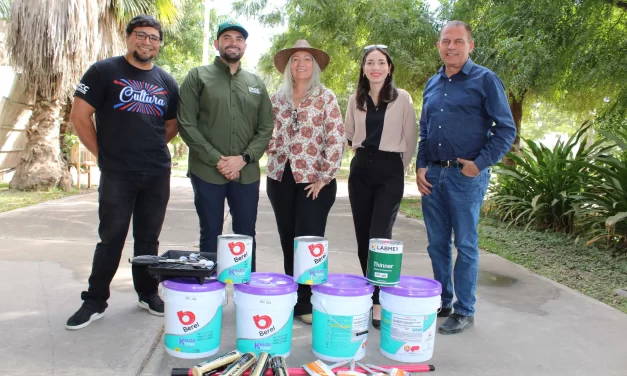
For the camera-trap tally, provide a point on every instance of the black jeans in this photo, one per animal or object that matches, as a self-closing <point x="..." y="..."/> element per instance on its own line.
<point x="298" y="215"/>
<point x="375" y="189"/>
<point x="120" y="197"/>
<point x="243" y="200"/>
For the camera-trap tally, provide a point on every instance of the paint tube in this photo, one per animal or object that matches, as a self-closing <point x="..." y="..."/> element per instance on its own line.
<point x="221" y="361"/>
<point x="318" y="368"/>
<point x="241" y="365"/>
<point x="350" y="373"/>
<point x="263" y="362"/>
<point x="279" y="367"/>
<point x="390" y="371"/>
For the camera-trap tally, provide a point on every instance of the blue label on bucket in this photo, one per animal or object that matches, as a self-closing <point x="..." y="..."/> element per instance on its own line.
<point x="315" y="276"/>
<point x="409" y="335"/>
<point x="238" y="273"/>
<point x="279" y="343"/>
<point x="340" y="336"/>
<point x="202" y="340"/>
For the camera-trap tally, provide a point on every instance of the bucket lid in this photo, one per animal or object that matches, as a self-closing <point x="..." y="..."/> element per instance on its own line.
<point x="191" y="285"/>
<point x="417" y="287"/>
<point x="344" y="285"/>
<point x="234" y="237"/>
<point x="268" y="284"/>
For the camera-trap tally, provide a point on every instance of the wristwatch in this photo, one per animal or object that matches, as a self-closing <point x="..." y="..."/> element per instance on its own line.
<point x="246" y="157"/>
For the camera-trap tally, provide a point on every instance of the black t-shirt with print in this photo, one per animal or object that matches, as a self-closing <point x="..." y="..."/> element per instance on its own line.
<point x="132" y="106"/>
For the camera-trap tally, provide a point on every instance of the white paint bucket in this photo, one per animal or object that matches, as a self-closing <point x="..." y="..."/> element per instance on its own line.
<point x="234" y="258"/>
<point x="193" y="317"/>
<point x="311" y="260"/>
<point x="408" y="322"/>
<point x="341" y="317"/>
<point x="264" y="313"/>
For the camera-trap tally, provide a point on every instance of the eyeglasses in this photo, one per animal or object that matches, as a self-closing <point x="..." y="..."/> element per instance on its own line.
<point x="140" y="35"/>
<point x="381" y="46"/>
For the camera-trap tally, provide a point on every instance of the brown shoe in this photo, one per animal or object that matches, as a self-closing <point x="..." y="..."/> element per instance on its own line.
<point x="307" y="319"/>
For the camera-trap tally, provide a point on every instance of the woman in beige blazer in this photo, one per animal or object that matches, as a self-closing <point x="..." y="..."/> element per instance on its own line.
<point x="381" y="129"/>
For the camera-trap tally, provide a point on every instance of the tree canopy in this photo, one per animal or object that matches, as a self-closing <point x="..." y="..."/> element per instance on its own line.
<point x="563" y="53"/>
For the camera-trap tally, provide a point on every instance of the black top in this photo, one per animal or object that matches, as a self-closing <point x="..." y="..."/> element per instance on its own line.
<point x="132" y="106"/>
<point x="374" y="123"/>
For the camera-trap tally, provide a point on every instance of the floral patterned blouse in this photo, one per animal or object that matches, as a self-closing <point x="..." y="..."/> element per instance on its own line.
<point x="312" y="137"/>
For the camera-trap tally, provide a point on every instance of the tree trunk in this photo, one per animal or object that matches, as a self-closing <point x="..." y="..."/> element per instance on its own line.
<point x="516" y="105"/>
<point x="66" y="127"/>
<point x="41" y="167"/>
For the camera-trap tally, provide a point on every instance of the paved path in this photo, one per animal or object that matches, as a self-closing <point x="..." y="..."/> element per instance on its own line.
<point x="525" y="324"/>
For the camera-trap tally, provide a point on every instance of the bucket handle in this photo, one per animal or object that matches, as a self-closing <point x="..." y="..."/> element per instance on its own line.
<point x="332" y="319"/>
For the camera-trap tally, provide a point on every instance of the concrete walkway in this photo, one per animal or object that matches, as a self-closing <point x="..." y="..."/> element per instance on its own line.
<point x="525" y="324"/>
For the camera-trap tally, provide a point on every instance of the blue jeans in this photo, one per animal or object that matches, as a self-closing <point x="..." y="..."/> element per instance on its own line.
<point x="453" y="206"/>
<point x="243" y="200"/>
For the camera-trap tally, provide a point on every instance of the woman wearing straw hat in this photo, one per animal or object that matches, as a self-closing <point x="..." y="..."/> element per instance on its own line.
<point x="304" y="154"/>
<point x="381" y="128"/>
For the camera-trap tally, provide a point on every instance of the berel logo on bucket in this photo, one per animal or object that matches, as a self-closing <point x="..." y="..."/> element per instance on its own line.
<point x="411" y="349"/>
<point x="239" y="245"/>
<point x="187" y="318"/>
<point x="313" y="247"/>
<point x="262" y="322"/>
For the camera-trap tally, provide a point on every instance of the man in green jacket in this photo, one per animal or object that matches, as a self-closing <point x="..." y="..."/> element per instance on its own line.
<point x="225" y="117"/>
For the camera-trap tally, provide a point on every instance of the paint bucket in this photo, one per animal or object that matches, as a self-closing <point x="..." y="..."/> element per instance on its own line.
<point x="234" y="258"/>
<point x="311" y="260"/>
<point x="408" y="322"/>
<point x="384" y="262"/>
<point x="264" y="313"/>
<point x="341" y="317"/>
<point x="193" y="317"/>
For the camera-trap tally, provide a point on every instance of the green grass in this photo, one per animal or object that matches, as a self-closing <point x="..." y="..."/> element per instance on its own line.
<point x="590" y="270"/>
<point x="11" y="199"/>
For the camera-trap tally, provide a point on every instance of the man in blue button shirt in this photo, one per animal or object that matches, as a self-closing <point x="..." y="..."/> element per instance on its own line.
<point x="466" y="126"/>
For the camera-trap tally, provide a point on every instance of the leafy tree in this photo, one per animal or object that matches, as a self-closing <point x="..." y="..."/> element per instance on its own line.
<point x="342" y="28"/>
<point x="557" y="51"/>
<point x="52" y="42"/>
<point x="182" y="49"/>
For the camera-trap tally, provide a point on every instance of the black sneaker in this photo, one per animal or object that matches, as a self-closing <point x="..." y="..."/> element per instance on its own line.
<point x="152" y="303"/>
<point x="456" y="324"/>
<point x="84" y="316"/>
<point x="445" y="312"/>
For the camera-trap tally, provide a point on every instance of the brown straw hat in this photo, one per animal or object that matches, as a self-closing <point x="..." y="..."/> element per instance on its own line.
<point x="281" y="57"/>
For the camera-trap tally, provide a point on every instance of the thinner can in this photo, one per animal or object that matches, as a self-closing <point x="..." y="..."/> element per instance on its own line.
<point x="234" y="258"/>
<point x="311" y="260"/>
<point x="385" y="257"/>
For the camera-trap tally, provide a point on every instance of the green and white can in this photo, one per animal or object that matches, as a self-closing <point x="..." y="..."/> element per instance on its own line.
<point x="385" y="257"/>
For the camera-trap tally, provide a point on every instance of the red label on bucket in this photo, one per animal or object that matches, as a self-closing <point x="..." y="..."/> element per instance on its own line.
<point x="314" y="247"/>
<point x="267" y="321"/>
<point x="186" y="317"/>
<point x="238" y="245"/>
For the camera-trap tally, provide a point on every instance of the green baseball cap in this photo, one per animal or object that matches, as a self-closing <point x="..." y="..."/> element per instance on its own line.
<point x="232" y="25"/>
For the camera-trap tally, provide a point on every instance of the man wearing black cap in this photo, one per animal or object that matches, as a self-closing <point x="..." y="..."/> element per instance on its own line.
<point x="225" y="117"/>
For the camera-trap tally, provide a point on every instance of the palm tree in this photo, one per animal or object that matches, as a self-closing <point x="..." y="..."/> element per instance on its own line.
<point x="52" y="42"/>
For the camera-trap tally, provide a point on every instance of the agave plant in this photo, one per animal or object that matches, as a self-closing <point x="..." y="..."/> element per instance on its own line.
<point x="539" y="188"/>
<point x="602" y="206"/>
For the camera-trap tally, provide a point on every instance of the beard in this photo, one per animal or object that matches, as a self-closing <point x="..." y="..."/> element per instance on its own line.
<point x="142" y="59"/>
<point x="232" y="57"/>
